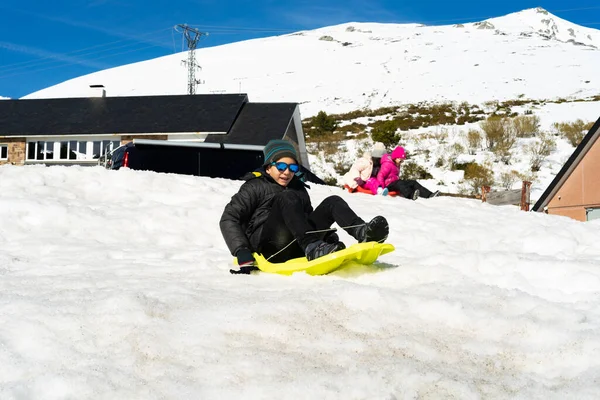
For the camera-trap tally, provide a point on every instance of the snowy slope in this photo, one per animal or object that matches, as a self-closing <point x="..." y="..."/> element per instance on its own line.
<point x="530" y="53"/>
<point x="115" y="285"/>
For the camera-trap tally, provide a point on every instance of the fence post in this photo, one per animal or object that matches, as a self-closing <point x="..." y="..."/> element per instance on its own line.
<point x="525" y="195"/>
<point x="484" y="191"/>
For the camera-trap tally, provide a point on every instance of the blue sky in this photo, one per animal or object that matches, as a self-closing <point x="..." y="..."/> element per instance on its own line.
<point x="44" y="42"/>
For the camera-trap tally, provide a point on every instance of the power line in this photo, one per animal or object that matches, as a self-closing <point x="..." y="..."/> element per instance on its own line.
<point x="40" y="61"/>
<point x="65" y="65"/>
<point x="246" y="29"/>
<point x="74" y="58"/>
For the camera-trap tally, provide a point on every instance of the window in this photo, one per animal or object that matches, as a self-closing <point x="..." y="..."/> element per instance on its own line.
<point x="72" y="150"/>
<point x="100" y="148"/>
<point x="3" y="152"/>
<point x="40" y="150"/>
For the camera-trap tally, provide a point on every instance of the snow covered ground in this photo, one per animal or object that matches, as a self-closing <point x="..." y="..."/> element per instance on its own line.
<point x="115" y="285"/>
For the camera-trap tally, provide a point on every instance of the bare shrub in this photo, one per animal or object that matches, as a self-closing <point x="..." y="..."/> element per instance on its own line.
<point x="526" y="125"/>
<point x="500" y="137"/>
<point x="341" y="167"/>
<point x="352" y="128"/>
<point x="503" y="151"/>
<point x="441" y="136"/>
<point x="439" y="163"/>
<point x="491" y="106"/>
<point x="477" y="175"/>
<point x="508" y="179"/>
<point x="457" y="149"/>
<point x="493" y="128"/>
<point x="573" y="131"/>
<point x="328" y="147"/>
<point x="330" y="180"/>
<point x="528" y="176"/>
<point x="539" y="150"/>
<point x="474" y="140"/>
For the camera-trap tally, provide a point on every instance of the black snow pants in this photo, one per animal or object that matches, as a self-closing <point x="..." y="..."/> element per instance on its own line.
<point x="287" y="230"/>
<point x="406" y="187"/>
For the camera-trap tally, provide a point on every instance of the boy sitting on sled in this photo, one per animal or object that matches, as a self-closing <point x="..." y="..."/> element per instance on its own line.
<point x="271" y="214"/>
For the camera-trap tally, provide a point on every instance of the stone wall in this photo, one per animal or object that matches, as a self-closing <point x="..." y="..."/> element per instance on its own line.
<point x="16" y="151"/>
<point x="17" y="147"/>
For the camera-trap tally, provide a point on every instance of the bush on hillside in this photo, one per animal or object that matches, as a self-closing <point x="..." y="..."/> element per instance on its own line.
<point x="496" y="130"/>
<point x="493" y="129"/>
<point x="385" y="132"/>
<point x="330" y="180"/>
<point x="341" y="167"/>
<point x="329" y="146"/>
<point x="508" y="179"/>
<point x="526" y="126"/>
<point x="573" y="131"/>
<point x="503" y="152"/>
<point x="500" y="137"/>
<point x="468" y="119"/>
<point x="412" y="170"/>
<point x="352" y="128"/>
<point x="439" y="163"/>
<point x="539" y="150"/>
<point x="367" y="112"/>
<point x="474" y="140"/>
<point x="477" y="175"/>
<point x="461" y="166"/>
<point x="324" y="124"/>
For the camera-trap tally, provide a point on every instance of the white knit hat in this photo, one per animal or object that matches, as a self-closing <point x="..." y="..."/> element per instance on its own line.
<point x="378" y="150"/>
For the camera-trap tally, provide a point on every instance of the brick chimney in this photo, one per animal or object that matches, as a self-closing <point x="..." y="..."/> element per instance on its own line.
<point x="97" y="91"/>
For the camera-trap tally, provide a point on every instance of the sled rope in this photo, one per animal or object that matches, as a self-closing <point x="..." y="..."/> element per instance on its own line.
<point x="317" y="231"/>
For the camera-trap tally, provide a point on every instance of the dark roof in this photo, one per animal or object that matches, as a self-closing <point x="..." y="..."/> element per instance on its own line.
<point x="560" y="178"/>
<point x="120" y="115"/>
<point x="258" y="123"/>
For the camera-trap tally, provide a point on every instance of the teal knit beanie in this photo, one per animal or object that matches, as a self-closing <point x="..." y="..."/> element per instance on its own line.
<point x="277" y="149"/>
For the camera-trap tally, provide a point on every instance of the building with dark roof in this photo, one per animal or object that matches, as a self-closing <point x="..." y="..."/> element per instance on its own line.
<point x="67" y="131"/>
<point x="575" y="190"/>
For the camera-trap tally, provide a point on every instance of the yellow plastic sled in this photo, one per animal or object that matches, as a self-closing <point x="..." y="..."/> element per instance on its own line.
<point x="361" y="253"/>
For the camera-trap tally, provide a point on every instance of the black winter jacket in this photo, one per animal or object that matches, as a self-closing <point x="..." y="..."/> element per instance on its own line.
<point x="243" y="218"/>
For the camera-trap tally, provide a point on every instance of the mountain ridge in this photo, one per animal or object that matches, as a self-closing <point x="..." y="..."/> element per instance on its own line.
<point x="350" y="66"/>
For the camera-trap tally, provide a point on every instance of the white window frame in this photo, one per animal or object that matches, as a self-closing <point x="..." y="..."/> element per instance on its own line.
<point x="3" y="146"/>
<point x="84" y="148"/>
<point x="35" y="145"/>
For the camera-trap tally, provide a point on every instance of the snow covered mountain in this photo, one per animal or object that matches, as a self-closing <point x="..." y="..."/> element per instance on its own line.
<point x="341" y="68"/>
<point x="530" y="54"/>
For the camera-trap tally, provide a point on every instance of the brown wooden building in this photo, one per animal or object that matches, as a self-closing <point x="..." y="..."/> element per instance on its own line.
<point x="575" y="191"/>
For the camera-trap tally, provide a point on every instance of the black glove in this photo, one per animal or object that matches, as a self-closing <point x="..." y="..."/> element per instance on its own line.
<point x="246" y="261"/>
<point x="331" y="237"/>
<point x="243" y="270"/>
<point x="359" y="181"/>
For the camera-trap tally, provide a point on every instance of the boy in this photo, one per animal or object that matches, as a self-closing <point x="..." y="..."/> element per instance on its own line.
<point x="272" y="214"/>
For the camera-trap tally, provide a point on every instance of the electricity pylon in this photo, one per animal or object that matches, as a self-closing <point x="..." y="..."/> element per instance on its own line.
<point x="192" y="36"/>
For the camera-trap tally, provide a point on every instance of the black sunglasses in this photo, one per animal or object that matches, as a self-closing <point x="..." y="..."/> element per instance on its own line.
<point x="281" y="166"/>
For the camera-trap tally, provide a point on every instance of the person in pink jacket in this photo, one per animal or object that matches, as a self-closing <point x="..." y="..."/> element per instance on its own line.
<point x="389" y="177"/>
<point x="360" y="173"/>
